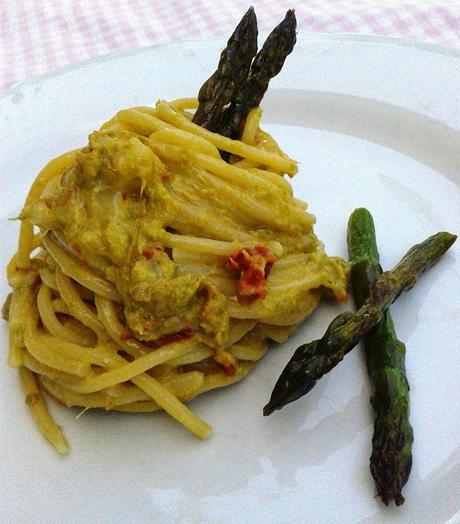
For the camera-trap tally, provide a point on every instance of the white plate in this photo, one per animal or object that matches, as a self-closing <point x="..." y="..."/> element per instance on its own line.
<point x="374" y="122"/>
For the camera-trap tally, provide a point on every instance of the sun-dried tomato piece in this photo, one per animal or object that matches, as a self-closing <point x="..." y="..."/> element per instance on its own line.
<point x="254" y="265"/>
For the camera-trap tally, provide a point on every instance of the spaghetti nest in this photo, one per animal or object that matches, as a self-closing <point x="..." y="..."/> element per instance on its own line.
<point x="149" y="270"/>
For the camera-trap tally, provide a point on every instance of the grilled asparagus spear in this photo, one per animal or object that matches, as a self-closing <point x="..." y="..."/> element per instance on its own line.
<point x="311" y="361"/>
<point x="232" y="71"/>
<point x="391" y="457"/>
<point x="267" y="64"/>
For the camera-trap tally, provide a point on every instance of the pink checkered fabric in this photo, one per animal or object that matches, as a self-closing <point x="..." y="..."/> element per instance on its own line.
<point x="37" y="36"/>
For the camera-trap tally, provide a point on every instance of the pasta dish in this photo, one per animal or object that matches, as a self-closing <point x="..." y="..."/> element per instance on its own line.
<point x="156" y="263"/>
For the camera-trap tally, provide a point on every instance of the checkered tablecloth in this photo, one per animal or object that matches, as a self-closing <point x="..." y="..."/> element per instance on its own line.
<point x="37" y="36"/>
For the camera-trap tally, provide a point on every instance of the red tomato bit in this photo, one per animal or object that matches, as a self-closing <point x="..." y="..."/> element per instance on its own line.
<point x="170" y="338"/>
<point x="254" y="265"/>
<point x="149" y="251"/>
<point x="229" y="370"/>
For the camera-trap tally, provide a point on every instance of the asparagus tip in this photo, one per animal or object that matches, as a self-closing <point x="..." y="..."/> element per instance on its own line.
<point x="250" y="13"/>
<point x="290" y="19"/>
<point x="451" y="237"/>
<point x="388" y="497"/>
<point x="391" y="463"/>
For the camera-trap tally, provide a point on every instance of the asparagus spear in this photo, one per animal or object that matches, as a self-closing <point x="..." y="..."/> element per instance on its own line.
<point x="391" y="457"/>
<point x="267" y="64"/>
<point x="232" y="71"/>
<point x="311" y="361"/>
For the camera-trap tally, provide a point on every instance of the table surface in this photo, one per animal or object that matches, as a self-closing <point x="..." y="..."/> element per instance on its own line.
<point x="38" y="36"/>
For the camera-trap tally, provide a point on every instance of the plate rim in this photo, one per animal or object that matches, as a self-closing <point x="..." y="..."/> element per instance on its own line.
<point x="306" y="36"/>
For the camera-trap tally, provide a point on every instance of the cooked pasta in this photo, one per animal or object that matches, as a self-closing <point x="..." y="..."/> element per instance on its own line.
<point x="149" y="270"/>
